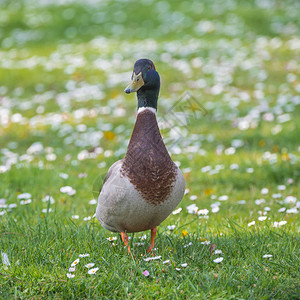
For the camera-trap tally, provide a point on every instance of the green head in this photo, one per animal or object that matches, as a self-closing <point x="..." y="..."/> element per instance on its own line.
<point x="146" y="82"/>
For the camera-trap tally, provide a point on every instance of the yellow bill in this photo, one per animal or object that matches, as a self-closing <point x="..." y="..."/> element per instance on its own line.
<point x="136" y="83"/>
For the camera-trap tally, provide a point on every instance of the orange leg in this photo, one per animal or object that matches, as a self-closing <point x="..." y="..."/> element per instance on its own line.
<point x="124" y="237"/>
<point x="153" y="234"/>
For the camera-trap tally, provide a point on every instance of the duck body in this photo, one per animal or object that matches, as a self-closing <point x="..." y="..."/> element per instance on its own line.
<point x="141" y="190"/>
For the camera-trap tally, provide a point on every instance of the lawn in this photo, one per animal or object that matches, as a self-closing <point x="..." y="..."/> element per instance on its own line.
<point x="228" y="110"/>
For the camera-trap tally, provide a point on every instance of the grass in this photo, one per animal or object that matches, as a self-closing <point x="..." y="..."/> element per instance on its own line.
<point x="63" y="69"/>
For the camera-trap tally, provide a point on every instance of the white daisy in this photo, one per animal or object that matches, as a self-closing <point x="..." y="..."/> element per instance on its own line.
<point x="152" y="258"/>
<point x="75" y="262"/>
<point x="177" y="211"/>
<point x="93" y="271"/>
<point x="84" y="255"/>
<point x="218" y="260"/>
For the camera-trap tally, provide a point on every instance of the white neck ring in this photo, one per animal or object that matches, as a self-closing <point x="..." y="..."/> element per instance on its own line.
<point x="140" y="109"/>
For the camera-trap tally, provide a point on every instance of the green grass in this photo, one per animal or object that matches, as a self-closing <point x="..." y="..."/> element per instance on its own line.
<point x="63" y="69"/>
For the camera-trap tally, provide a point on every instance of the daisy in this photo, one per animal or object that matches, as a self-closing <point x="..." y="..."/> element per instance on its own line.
<point x="75" y="217"/>
<point x="90" y="265"/>
<point x="223" y="198"/>
<point x="68" y="190"/>
<point x="215" y="209"/>
<point x="184" y="265"/>
<point x="267" y="256"/>
<point x="218" y="251"/>
<point x="251" y="223"/>
<point x="171" y="227"/>
<point x="72" y="269"/>
<point x="143" y="237"/>
<point x="146" y="273"/>
<point x="278" y="224"/>
<point x="75" y="262"/>
<point x="203" y="212"/>
<point x="187" y="245"/>
<point x="152" y="258"/>
<point x="281" y="187"/>
<point x="259" y="201"/>
<point x="177" y="211"/>
<point x="93" y="271"/>
<point x="93" y="202"/>
<point x="48" y="198"/>
<point x="24" y="202"/>
<point x="293" y="210"/>
<point x="139" y="244"/>
<point x="69" y="275"/>
<point x="218" y="260"/>
<point x="166" y="261"/>
<point x="262" y="218"/>
<point x="45" y="210"/>
<point x="84" y="255"/>
<point x="205" y="243"/>
<point x="112" y="238"/>
<point x="24" y="196"/>
<point x="290" y="200"/>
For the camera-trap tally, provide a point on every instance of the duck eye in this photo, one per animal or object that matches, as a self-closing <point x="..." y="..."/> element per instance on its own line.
<point x="149" y="67"/>
<point x="137" y="79"/>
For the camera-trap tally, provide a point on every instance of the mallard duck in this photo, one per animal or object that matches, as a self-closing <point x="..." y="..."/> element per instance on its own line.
<point x="142" y="189"/>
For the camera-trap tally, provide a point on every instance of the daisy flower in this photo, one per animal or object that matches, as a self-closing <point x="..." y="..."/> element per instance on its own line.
<point x="171" y="227"/>
<point x="112" y="238"/>
<point x="218" y="260"/>
<point x="69" y="275"/>
<point x="75" y="262"/>
<point x="152" y="258"/>
<point x="90" y="265"/>
<point x="93" y="271"/>
<point x="177" y="211"/>
<point x="84" y="255"/>
<point x="251" y="223"/>
<point x="93" y="202"/>
<point x="184" y="265"/>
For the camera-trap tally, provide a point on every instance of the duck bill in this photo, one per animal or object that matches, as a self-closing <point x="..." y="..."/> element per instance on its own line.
<point x="136" y="83"/>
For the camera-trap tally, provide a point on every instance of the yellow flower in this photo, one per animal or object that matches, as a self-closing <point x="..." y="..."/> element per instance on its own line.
<point x="184" y="233"/>
<point x="109" y="135"/>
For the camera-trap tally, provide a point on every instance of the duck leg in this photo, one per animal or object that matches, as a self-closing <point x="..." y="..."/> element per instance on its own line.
<point x="124" y="237"/>
<point x="153" y="234"/>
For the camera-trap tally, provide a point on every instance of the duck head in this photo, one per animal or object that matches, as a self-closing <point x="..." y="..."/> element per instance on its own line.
<point x="146" y="82"/>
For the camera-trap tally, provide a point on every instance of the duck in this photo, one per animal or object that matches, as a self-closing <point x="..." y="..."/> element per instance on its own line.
<point x="141" y="190"/>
